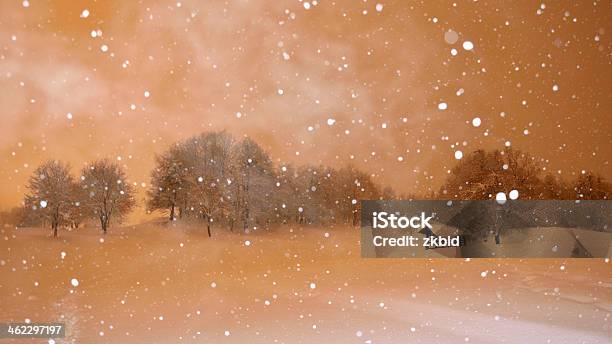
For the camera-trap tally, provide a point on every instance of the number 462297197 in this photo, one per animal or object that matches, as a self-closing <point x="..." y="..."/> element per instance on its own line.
<point x="31" y="330"/>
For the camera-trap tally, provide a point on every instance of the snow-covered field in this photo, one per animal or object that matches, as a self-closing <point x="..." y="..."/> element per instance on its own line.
<point x="156" y="284"/>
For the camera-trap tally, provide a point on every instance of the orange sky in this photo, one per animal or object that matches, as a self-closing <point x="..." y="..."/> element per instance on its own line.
<point x="202" y="62"/>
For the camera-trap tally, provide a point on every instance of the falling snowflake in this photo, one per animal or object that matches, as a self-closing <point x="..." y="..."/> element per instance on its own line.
<point x="467" y="45"/>
<point x="500" y="197"/>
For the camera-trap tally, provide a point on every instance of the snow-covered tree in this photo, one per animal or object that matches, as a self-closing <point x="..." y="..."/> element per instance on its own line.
<point x="314" y="187"/>
<point x="209" y="159"/>
<point x="286" y="189"/>
<point x="49" y="196"/>
<point x="481" y="175"/>
<point x="109" y="195"/>
<point x="77" y="213"/>
<point x="193" y="176"/>
<point x="590" y="186"/>
<point x="353" y="186"/>
<point x="212" y="177"/>
<point x="252" y="179"/>
<point x="168" y="183"/>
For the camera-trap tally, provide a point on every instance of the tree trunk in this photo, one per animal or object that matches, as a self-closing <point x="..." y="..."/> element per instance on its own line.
<point x="172" y="213"/>
<point x="245" y="223"/>
<point x="103" y="223"/>
<point x="183" y="209"/>
<point x="55" y="222"/>
<point x="208" y="228"/>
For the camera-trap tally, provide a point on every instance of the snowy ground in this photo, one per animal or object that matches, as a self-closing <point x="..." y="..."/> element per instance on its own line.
<point x="152" y="284"/>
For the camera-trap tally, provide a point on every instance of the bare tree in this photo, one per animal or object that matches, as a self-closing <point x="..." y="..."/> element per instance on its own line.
<point x="49" y="193"/>
<point x="109" y="195"/>
<point x="318" y="194"/>
<point x="481" y="175"/>
<point x="555" y="188"/>
<point x="353" y="186"/>
<point x="313" y="185"/>
<point x="286" y="190"/>
<point x="168" y="183"/>
<point x="592" y="187"/>
<point x="209" y="182"/>
<point x="194" y="176"/>
<point x="252" y="183"/>
<point x="77" y="213"/>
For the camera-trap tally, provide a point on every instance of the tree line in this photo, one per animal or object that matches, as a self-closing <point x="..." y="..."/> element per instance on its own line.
<point x="482" y="174"/>
<point x="211" y="178"/>
<point x="214" y="179"/>
<point x="220" y="180"/>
